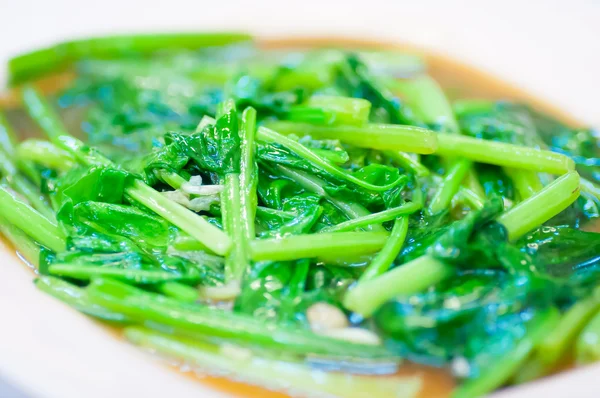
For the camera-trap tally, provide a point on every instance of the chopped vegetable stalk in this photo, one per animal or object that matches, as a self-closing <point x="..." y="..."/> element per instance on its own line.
<point x="502" y="154"/>
<point x="30" y="221"/>
<point x="407" y="279"/>
<point x="330" y="110"/>
<point x="382" y="261"/>
<point x="281" y="376"/>
<point x="179" y="291"/>
<point x="339" y="244"/>
<point x="375" y="136"/>
<point x="587" y="345"/>
<point x="375" y="218"/>
<point x="449" y="187"/>
<point x="206" y="321"/>
<point x="46" y="154"/>
<point x="24" y="245"/>
<point x="37" y="63"/>
<point x="526" y="182"/>
<point x="408" y="162"/>
<point x="542" y="206"/>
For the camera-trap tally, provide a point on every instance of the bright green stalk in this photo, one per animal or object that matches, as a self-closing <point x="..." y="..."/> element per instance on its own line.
<point x="587" y="345"/>
<point x="376" y="136"/>
<point x="179" y="291"/>
<point x="315" y="185"/>
<point x="503" y="368"/>
<point x="384" y="259"/>
<point x="276" y="375"/>
<point x="24" y="245"/>
<point x="590" y="187"/>
<point x="143" y="276"/>
<point x="332" y="110"/>
<point x="410" y="278"/>
<point x="207" y="321"/>
<point x="248" y="173"/>
<point x="542" y="206"/>
<point x="526" y="182"/>
<point x="264" y="134"/>
<point x="470" y="198"/>
<point x="375" y="218"/>
<point x="237" y="259"/>
<point x="502" y="154"/>
<point x="553" y="347"/>
<point x="178" y="215"/>
<point x="34" y="64"/>
<point x="340" y="244"/>
<point x="408" y="162"/>
<point x="190" y="222"/>
<point x="76" y="297"/>
<point x="23" y="186"/>
<point x="449" y="186"/>
<point x="46" y="154"/>
<point x="174" y="180"/>
<point x="31" y="221"/>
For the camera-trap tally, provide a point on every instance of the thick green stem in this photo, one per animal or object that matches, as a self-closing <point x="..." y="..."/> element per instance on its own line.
<point x="502" y="154"/>
<point x="190" y="222"/>
<point x="449" y="187"/>
<point x="8" y="138"/>
<point x="25" y="246"/>
<point x="34" y="64"/>
<point x="527" y="183"/>
<point x="248" y="173"/>
<point x="376" y="136"/>
<point x="375" y="218"/>
<point x="142" y="276"/>
<point x="587" y="346"/>
<point x="336" y="244"/>
<point x="541" y="207"/>
<point x="179" y="291"/>
<point x="384" y="259"/>
<point x="273" y="374"/>
<point x="502" y="369"/>
<point x="207" y="321"/>
<point x="412" y="277"/>
<point x="237" y="259"/>
<point x="174" y="180"/>
<point x="46" y="154"/>
<point x="30" y="221"/>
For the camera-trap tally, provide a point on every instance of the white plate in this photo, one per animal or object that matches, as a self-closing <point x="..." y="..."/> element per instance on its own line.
<point x="550" y="48"/>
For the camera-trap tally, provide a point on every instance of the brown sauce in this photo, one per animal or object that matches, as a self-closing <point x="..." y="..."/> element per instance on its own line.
<point x="458" y="79"/>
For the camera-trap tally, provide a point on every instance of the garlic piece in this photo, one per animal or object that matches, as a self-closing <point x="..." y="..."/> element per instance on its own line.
<point x="354" y="335"/>
<point x="324" y="316"/>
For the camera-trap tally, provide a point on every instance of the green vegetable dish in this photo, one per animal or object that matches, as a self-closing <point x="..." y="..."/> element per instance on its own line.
<point x="313" y="221"/>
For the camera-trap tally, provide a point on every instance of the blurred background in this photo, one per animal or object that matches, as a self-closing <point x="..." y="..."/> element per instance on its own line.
<point x="537" y="44"/>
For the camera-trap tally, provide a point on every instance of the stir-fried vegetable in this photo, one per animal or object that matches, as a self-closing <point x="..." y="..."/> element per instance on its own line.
<point x="291" y="214"/>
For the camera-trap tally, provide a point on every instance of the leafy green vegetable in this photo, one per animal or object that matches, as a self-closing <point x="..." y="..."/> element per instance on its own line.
<point x="225" y="202"/>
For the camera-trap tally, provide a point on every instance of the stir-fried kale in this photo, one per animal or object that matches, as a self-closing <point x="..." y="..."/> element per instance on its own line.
<point x="221" y="199"/>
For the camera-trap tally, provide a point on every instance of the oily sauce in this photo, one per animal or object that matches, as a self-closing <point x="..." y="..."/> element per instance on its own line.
<point x="458" y="80"/>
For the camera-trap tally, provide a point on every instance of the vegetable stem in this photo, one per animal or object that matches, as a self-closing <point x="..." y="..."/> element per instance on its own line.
<point x="541" y="207"/>
<point x="376" y="136"/>
<point x="410" y="278"/>
<point x="31" y="221"/>
<point x="340" y="244"/>
<point x="382" y="261"/>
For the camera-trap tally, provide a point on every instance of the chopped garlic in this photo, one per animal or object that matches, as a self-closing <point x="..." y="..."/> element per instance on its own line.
<point x="324" y="316"/>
